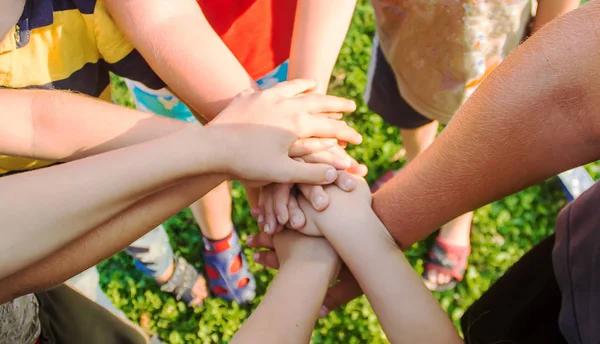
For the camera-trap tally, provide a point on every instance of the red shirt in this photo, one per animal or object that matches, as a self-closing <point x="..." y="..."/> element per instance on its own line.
<point x="258" y="32"/>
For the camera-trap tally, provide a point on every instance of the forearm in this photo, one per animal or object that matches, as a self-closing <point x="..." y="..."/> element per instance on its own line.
<point x="63" y="126"/>
<point x="550" y="9"/>
<point x="106" y="239"/>
<point x="319" y="31"/>
<point x="58" y="204"/>
<point x="406" y="310"/>
<point x="532" y="118"/>
<point x="181" y="46"/>
<point x="288" y="312"/>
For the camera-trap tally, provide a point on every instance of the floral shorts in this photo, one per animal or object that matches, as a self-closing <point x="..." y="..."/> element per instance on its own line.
<point x="162" y="102"/>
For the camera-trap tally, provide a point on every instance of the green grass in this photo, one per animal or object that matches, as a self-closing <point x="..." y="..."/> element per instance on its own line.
<point x="502" y="232"/>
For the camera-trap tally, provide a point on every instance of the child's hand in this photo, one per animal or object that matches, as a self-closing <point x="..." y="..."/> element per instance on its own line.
<point x="292" y="247"/>
<point x="259" y="128"/>
<point x="278" y="207"/>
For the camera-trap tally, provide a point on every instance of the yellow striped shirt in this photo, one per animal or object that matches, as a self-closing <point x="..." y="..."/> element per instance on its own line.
<point x="69" y="45"/>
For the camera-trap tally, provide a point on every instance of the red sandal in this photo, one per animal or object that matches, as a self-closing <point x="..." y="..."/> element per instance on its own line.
<point x="447" y="259"/>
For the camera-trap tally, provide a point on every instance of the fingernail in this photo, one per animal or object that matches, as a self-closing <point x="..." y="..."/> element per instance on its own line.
<point x="319" y="202"/>
<point x="256" y="257"/>
<point x="254" y="212"/>
<point x="250" y="239"/>
<point x="330" y="175"/>
<point x="349" y="183"/>
<point x="261" y="218"/>
<point x="296" y="220"/>
<point x="323" y="311"/>
<point x="268" y="229"/>
<point x="281" y="220"/>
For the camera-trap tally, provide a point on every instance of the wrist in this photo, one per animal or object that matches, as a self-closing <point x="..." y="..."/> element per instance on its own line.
<point x="212" y="142"/>
<point x="326" y="269"/>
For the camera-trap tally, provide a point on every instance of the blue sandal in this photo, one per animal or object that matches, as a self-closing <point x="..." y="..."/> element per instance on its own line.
<point x="227" y="270"/>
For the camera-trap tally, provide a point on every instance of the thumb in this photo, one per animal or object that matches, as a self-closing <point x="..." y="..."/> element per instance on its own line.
<point x="297" y="171"/>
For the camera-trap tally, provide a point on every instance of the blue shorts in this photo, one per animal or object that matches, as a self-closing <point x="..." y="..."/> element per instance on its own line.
<point x="164" y="103"/>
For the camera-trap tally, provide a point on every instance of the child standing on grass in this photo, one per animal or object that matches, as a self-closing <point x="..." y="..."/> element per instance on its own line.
<point x="208" y="51"/>
<point x="427" y="59"/>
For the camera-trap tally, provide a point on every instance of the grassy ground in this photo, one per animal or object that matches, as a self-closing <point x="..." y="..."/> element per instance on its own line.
<point x="502" y="232"/>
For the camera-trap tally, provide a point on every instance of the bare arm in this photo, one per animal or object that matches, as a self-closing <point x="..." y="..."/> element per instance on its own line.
<point x="406" y="310"/>
<point x="533" y="117"/>
<point x="550" y="9"/>
<point x="319" y="31"/>
<point x="44" y="209"/>
<point x="58" y="204"/>
<point x="181" y="46"/>
<point x="106" y="239"/>
<point x="63" y="126"/>
<point x="288" y="312"/>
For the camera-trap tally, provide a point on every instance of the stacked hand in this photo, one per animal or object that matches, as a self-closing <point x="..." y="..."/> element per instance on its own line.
<point x="347" y="288"/>
<point x="285" y="122"/>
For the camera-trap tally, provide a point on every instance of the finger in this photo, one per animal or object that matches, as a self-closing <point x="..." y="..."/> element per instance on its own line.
<point x="310" y="145"/>
<point x="270" y="220"/>
<point x="292" y="88"/>
<point x="252" y="195"/>
<point x="281" y="198"/>
<point x="267" y="258"/>
<point x="315" y="194"/>
<point x="358" y="169"/>
<point x="306" y="125"/>
<point x="297" y="218"/>
<point x="339" y="294"/>
<point x="291" y="171"/>
<point x="315" y="103"/>
<point x="261" y="205"/>
<point x="260" y="240"/>
<point x="335" y="156"/>
<point x="346" y="181"/>
<point x="332" y="115"/>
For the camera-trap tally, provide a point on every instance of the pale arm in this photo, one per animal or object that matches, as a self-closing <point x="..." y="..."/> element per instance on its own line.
<point x="550" y="9"/>
<point x="63" y="126"/>
<point x="106" y="239"/>
<point x="533" y="117"/>
<point x="406" y="310"/>
<point x="178" y="42"/>
<point x="319" y="31"/>
<point x="288" y="312"/>
<point x="37" y="220"/>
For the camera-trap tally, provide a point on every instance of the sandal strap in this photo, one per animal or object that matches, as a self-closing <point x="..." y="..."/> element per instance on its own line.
<point x="220" y="261"/>
<point x="182" y="281"/>
<point x="441" y="256"/>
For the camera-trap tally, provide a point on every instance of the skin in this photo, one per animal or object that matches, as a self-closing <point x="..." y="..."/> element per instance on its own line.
<point x="130" y="176"/>
<point x="538" y="106"/>
<point x="166" y="34"/>
<point x="362" y="241"/>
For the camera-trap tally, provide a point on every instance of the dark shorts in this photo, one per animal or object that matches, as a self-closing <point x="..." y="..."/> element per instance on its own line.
<point x="383" y="96"/>
<point x="576" y="258"/>
<point x="66" y="316"/>
<point x="521" y="307"/>
<point x="552" y="294"/>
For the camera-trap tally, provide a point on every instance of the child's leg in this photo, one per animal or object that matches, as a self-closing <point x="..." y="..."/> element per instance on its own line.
<point x="213" y="213"/>
<point x="154" y="257"/>
<point x="226" y="266"/>
<point x="418" y="132"/>
<point x="415" y="141"/>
